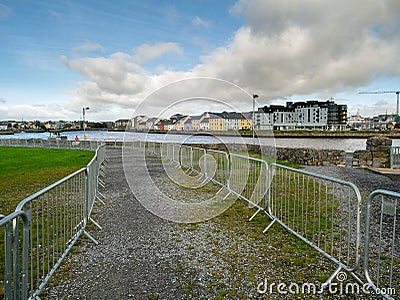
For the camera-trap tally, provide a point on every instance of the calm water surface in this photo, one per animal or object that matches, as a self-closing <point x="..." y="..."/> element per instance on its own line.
<point x="348" y="145"/>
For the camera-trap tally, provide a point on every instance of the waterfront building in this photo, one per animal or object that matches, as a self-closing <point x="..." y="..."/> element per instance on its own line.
<point x="204" y="124"/>
<point x="302" y="115"/>
<point x="216" y="122"/>
<point x="262" y="121"/>
<point x="246" y="122"/>
<point x="231" y="120"/>
<point x="3" y="126"/>
<point x="196" y="120"/>
<point x="152" y="124"/>
<point x="123" y="123"/>
<point x="180" y="124"/>
<point x="188" y="126"/>
<point x="139" y="122"/>
<point x="380" y="122"/>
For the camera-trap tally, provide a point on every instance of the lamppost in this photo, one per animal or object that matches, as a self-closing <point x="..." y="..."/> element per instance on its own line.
<point x="253" y="119"/>
<point x="84" y="109"/>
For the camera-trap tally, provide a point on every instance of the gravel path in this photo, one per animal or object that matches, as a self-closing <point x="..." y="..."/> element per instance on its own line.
<point x="366" y="181"/>
<point x="141" y="256"/>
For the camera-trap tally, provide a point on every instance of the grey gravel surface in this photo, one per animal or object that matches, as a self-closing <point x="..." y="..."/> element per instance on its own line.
<point x="366" y="181"/>
<point x="141" y="256"/>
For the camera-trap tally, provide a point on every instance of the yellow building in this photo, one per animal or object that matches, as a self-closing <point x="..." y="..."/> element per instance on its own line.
<point x="216" y="123"/>
<point x="245" y="124"/>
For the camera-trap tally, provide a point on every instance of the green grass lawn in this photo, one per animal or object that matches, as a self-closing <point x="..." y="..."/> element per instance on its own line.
<point x="24" y="171"/>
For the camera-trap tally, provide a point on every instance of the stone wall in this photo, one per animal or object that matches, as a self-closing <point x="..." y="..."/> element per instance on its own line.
<point x="300" y="156"/>
<point x="312" y="157"/>
<point x="376" y="155"/>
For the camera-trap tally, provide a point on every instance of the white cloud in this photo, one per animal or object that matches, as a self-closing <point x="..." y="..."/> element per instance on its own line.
<point x="301" y="48"/>
<point x="146" y="52"/>
<point x="56" y="15"/>
<point x="286" y="48"/>
<point x="35" y="112"/>
<point x="117" y="74"/>
<point x="88" y="46"/>
<point x="5" y="11"/>
<point x="200" y="22"/>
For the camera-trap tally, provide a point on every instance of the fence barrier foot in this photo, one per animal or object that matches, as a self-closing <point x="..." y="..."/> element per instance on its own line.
<point x="329" y="280"/>
<point x="269" y="226"/>
<point x="227" y="195"/>
<point x="199" y="179"/>
<point x="356" y="278"/>
<point x="205" y="180"/>
<point x="95" y="223"/>
<point x="220" y="190"/>
<point x="334" y="274"/>
<point x="255" y="214"/>
<point x="90" y="237"/>
<point x="100" y="200"/>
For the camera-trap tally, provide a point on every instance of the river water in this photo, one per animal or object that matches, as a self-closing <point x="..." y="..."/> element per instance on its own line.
<point x="347" y="144"/>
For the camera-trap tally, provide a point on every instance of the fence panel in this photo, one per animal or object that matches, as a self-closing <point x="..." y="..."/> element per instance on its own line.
<point x="151" y="147"/>
<point x="165" y="150"/>
<point x="395" y="157"/>
<point x="58" y="219"/>
<point x="158" y="149"/>
<point x="186" y="157"/>
<point x="248" y="179"/>
<point x="322" y="211"/>
<point x="91" y="174"/>
<point x="51" y="143"/>
<point x="176" y="150"/>
<point x="58" y="216"/>
<point x="198" y="160"/>
<point x="14" y="259"/>
<point x="217" y="167"/>
<point x="382" y="242"/>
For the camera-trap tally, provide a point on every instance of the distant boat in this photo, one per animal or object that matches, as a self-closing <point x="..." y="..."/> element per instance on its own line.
<point x="56" y="136"/>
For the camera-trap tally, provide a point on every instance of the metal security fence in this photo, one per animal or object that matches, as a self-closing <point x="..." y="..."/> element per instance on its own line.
<point x="382" y="242"/>
<point x="51" y="143"/>
<point x="186" y="157"/>
<point x="58" y="219"/>
<point x="248" y="179"/>
<point x="217" y="167"/>
<point x="324" y="212"/>
<point x="198" y="160"/>
<point x="58" y="215"/>
<point x="94" y="171"/>
<point x="395" y="157"/>
<point x="14" y="283"/>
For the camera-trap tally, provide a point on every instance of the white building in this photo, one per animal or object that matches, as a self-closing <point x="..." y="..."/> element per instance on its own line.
<point x="302" y="115"/>
<point x="232" y="120"/>
<point x="204" y="125"/>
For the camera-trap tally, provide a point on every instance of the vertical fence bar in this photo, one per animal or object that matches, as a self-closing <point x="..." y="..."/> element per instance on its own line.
<point x="382" y="245"/>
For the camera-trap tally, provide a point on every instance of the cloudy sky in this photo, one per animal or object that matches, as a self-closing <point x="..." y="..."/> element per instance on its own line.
<point x="121" y="58"/>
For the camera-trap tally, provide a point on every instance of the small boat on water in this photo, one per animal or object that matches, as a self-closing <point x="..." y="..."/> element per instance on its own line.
<point x="57" y="136"/>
